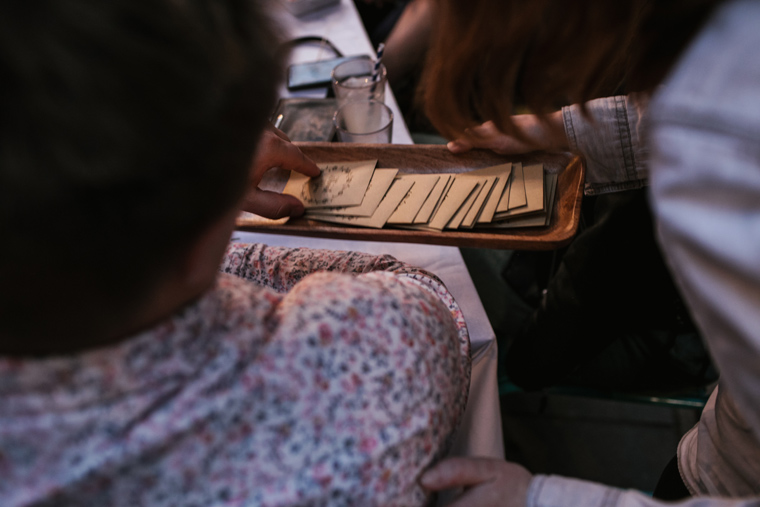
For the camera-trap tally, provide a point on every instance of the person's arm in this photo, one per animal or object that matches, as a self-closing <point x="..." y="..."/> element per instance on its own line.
<point x="609" y="135"/>
<point x="610" y="138"/>
<point x="390" y="369"/>
<point x="380" y="336"/>
<point x="706" y="196"/>
<point x="366" y="361"/>
<point x="281" y="268"/>
<point x="496" y="483"/>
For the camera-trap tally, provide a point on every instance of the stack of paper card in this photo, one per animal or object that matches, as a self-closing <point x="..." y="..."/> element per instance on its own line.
<point x="358" y="193"/>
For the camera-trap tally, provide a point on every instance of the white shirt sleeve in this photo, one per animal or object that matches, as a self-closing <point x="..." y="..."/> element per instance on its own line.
<point x="554" y="491"/>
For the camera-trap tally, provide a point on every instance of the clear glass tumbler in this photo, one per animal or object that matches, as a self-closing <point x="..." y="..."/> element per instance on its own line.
<point x="352" y="81"/>
<point x="366" y="121"/>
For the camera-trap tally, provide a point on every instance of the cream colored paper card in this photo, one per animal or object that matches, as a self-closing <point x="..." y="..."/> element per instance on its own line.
<point x="517" y="192"/>
<point x="246" y="219"/>
<point x="536" y="219"/>
<point x="340" y="184"/>
<point x="516" y="196"/>
<point x="534" y="191"/>
<point x="381" y="181"/>
<point x="540" y="219"/>
<point x="434" y="199"/>
<point x="457" y="194"/>
<point x="477" y="206"/>
<point x="456" y="220"/>
<point x="416" y="227"/>
<point x="552" y="184"/>
<point x="387" y="206"/>
<point x="503" y="172"/>
<point x="423" y="184"/>
<point x="504" y="199"/>
<point x="496" y="170"/>
<point x="499" y="189"/>
<point x="534" y="186"/>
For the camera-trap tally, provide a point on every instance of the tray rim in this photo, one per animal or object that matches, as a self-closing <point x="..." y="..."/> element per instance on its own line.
<point x="560" y="231"/>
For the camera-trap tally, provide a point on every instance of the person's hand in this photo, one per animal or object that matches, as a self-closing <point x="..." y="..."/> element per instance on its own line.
<point x="276" y="150"/>
<point x="548" y="134"/>
<point x="487" y="481"/>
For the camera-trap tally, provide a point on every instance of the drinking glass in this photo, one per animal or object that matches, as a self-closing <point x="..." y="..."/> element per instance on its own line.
<point x="366" y="121"/>
<point x="352" y="81"/>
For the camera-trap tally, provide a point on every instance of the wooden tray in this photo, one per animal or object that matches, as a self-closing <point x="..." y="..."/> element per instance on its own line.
<point x="438" y="159"/>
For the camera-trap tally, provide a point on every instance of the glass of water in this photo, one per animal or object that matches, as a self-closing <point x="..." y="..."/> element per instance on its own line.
<point x="366" y="121"/>
<point x="352" y="81"/>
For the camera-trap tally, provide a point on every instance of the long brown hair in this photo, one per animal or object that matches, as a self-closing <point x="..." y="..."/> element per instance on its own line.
<point x="486" y="55"/>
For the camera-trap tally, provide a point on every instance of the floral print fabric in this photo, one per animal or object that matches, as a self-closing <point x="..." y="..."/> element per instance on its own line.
<point x="304" y="377"/>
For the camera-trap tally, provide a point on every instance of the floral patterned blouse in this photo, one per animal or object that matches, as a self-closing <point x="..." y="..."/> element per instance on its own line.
<point x="304" y="377"/>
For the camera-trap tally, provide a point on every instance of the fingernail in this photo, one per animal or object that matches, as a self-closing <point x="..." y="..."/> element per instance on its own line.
<point x="453" y="146"/>
<point x="428" y="478"/>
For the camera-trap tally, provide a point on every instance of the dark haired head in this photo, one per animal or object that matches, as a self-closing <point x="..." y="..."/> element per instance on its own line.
<point x="126" y="127"/>
<point x="487" y="54"/>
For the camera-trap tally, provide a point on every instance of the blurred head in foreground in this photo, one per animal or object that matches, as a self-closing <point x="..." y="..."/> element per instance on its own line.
<point x="126" y="129"/>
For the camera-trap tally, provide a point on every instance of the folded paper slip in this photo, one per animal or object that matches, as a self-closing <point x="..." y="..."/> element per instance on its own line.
<point x="457" y="194"/>
<point x="412" y="203"/>
<point x="381" y="181"/>
<point x="534" y="191"/>
<point x="340" y="184"/>
<point x="387" y="206"/>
